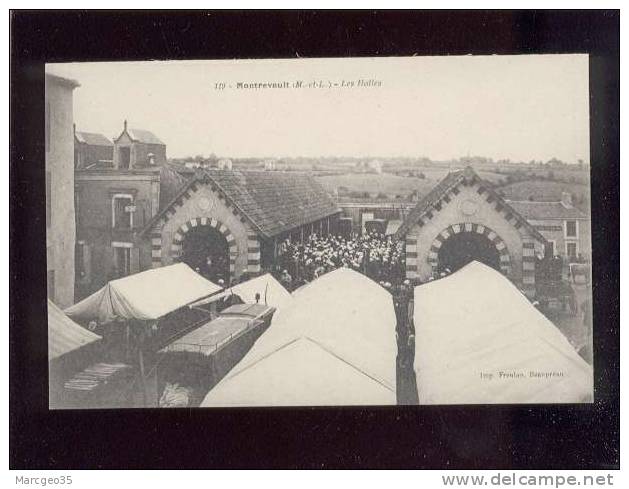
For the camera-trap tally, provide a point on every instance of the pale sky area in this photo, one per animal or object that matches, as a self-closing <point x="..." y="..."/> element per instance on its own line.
<point x="515" y="107"/>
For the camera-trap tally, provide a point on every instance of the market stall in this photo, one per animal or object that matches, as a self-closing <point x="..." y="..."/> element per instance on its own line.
<point x="335" y="345"/>
<point x="480" y="341"/>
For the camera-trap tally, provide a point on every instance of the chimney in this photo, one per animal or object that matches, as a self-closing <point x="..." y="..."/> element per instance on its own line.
<point x="566" y="199"/>
<point x="125" y="125"/>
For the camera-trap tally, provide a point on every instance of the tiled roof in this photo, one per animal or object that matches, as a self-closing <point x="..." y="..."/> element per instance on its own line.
<point x="272" y="201"/>
<point x="275" y="202"/>
<point x="534" y="210"/>
<point x="144" y="136"/>
<point x="429" y="203"/>
<point x="93" y="139"/>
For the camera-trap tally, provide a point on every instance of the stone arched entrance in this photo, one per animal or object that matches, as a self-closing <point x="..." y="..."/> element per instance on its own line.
<point x="205" y="250"/>
<point x="461" y="243"/>
<point x="195" y="229"/>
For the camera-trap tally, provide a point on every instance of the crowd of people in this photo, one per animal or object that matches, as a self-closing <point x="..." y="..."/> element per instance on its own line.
<point x="377" y="256"/>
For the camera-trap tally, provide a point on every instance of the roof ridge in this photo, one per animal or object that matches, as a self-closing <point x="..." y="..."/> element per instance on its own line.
<point x="273" y="204"/>
<point x="253" y="223"/>
<point x="534" y="201"/>
<point x="451" y="180"/>
<point x="338" y="357"/>
<point x="139" y="129"/>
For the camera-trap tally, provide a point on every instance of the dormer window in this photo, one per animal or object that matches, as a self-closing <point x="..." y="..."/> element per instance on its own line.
<point x="125" y="157"/>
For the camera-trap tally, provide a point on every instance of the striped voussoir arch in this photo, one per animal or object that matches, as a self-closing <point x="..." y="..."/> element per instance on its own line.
<point x="176" y="247"/>
<point x="468" y="227"/>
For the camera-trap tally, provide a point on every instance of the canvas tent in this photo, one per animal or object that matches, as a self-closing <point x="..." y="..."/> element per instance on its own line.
<point x="271" y="292"/>
<point x="334" y="345"/>
<point x="146" y="295"/>
<point x="300" y="373"/>
<point x="64" y="335"/>
<point x="479" y="341"/>
<point x="70" y="349"/>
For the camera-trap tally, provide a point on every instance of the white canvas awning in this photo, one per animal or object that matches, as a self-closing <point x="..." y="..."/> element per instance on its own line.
<point x="64" y="335"/>
<point x="479" y="341"/>
<point x="146" y="295"/>
<point x="300" y="373"/>
<point x="334" y="345"/>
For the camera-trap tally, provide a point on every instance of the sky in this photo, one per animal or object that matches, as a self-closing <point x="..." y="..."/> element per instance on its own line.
<point x="522" y="108"/>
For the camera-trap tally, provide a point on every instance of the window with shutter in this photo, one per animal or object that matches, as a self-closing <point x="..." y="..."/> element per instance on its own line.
<point x="135" y="260"/>
<point x="122" y="259"/>
<point x="550" y="248"/>
<point x="82" y="262"/>
<point x="122" y="211"/>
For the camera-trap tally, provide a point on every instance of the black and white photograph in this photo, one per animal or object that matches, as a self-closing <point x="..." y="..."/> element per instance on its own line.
<point x="314" y="239"/>
<point x="319" y="232"/>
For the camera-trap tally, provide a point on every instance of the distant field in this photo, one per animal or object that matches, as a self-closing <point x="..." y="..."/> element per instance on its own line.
<point x="545" y="191"/>
<point x="391" y="184"/>
<point x="386" y="183"/>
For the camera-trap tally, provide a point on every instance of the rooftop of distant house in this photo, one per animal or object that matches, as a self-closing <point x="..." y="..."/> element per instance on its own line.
<point x="93" y="138"/>
<point x="140" y="135"/>
<point x="534" y="209"/>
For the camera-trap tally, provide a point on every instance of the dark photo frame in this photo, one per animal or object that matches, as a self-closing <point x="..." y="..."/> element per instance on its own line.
<point x="584" y="436"/>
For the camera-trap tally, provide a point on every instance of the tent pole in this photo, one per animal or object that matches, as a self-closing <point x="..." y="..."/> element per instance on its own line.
<point x="128" y="339"/>
<point x="142" y="337"/>
<point x="144" y="393"/>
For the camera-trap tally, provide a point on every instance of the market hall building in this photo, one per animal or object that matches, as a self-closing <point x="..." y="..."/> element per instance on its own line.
<point x="226" y="223"/>
<point x="463" y="219"/>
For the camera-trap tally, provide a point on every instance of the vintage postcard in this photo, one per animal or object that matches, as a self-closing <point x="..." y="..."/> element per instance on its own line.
<point x="319" y="232"/>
